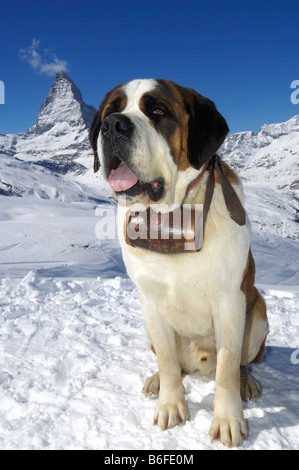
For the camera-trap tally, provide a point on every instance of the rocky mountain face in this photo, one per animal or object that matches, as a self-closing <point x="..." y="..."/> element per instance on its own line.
<point x="268" y="163"/>
<point x="271" y="156"/>
<point x="65" y="104"/>
<point x="59" y="139"/>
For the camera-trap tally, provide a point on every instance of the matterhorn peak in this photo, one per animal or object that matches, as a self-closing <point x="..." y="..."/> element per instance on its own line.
<point x="63" y="105"/>
<point x="59" y="138"/>
<point x="60" y="75"/>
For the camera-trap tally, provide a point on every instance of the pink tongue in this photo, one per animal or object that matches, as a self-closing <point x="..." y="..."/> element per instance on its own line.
<point x="122" y="178"/>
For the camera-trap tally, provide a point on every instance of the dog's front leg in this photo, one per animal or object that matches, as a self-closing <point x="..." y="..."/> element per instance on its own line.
<point x="228" y="423"/>
<point x="171" y="408"/>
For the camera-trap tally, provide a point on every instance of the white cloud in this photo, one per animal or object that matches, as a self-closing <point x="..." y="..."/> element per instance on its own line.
<point x="46" y="63"/>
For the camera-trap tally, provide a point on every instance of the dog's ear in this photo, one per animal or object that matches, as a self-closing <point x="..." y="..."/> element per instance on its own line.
<point x="93" y="137"/>
<point x="207" y="128"/>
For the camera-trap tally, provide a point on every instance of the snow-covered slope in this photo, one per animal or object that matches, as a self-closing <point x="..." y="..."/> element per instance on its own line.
<point x="73" y="347"/>
<point x="26" y="178"/>
<point x="270" y="157"/>
<point x="269" y="161"/>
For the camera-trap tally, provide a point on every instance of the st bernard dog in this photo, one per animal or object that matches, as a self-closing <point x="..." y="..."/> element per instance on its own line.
<point x="156" y="143"/>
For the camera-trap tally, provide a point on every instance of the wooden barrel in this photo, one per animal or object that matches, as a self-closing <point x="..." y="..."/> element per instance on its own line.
<point x="178" y="231"/>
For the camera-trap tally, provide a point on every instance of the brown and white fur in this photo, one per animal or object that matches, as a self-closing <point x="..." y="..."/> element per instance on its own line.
<point x="201" y="309"/>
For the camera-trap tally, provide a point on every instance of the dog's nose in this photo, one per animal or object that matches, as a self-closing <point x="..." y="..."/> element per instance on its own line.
<point x="115" y="126"/>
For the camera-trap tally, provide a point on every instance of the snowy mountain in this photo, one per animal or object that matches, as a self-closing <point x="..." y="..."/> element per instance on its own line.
<point x="59" y="139"/>
<point x="73" y="348"/>
<point x="269" y="160"/>
<point x="64" y="104"/>
<point x="269" y="157"/>
<point x="50" y="158"/>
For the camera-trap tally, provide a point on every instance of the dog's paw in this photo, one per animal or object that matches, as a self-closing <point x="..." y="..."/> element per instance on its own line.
<point x="230" y="431"/>
<point x="168" y="415"/>
<point x="152" y="385"/>
<point x="250" y="387"/>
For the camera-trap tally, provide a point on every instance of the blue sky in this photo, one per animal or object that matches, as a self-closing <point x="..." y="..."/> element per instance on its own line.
<point x="242" y="54"/>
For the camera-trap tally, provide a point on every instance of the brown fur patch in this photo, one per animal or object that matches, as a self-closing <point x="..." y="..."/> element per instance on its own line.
<point x="247" y="285"/>
<point x="260" y="354"/>
<point x="229" y="173"/>
<point x="255" y="304"/>
<point x="168" y="93"/>
<point x="178" y="144"/>
<point x="184" y="98"/>
<point x="180" y="140"/>
<point x="115" y="99"/>
<point x="253" y="297"/>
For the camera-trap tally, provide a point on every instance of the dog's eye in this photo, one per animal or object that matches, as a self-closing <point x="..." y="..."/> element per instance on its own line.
<point x="158" y="112"/>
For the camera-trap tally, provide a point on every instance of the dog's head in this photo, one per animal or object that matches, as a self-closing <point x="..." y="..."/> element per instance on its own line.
<point x="148" y="133"/>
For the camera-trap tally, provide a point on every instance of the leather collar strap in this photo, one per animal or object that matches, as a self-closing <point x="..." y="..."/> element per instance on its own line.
<point x="197" y="180"/>
<point x="233" y="204"/>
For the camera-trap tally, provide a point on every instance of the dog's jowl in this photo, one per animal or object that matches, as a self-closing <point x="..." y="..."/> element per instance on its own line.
<point x="156" y="144"/>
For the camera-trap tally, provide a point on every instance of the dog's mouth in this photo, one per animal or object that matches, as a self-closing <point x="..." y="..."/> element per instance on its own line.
<point x="123" y="181"/>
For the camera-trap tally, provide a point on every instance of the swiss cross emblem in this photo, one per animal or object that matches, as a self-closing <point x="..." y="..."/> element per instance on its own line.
<point x="157" y="222"/>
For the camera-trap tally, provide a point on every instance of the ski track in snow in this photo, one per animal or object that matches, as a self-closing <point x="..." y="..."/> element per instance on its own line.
<point x="74" y="352"/>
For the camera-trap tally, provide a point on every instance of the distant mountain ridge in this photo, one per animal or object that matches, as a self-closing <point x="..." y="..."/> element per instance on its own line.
<point x="271" y="156"/>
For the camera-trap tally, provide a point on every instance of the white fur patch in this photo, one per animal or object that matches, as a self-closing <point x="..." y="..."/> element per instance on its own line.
<point x="134" y="91"/>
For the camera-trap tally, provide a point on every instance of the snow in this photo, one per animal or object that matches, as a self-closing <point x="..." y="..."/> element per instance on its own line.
<point x="273" y="150"/>
<point x="74" y="352"/>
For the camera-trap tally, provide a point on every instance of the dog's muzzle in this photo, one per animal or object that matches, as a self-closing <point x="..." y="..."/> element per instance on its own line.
<point x="116" y="126"/>
<point x="117" y="131"/>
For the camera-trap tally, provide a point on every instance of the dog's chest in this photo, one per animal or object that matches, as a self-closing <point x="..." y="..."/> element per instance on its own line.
<point x="175" y="288"/>
<point x="189" y="314"/>
<point x="185" y="288"/>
